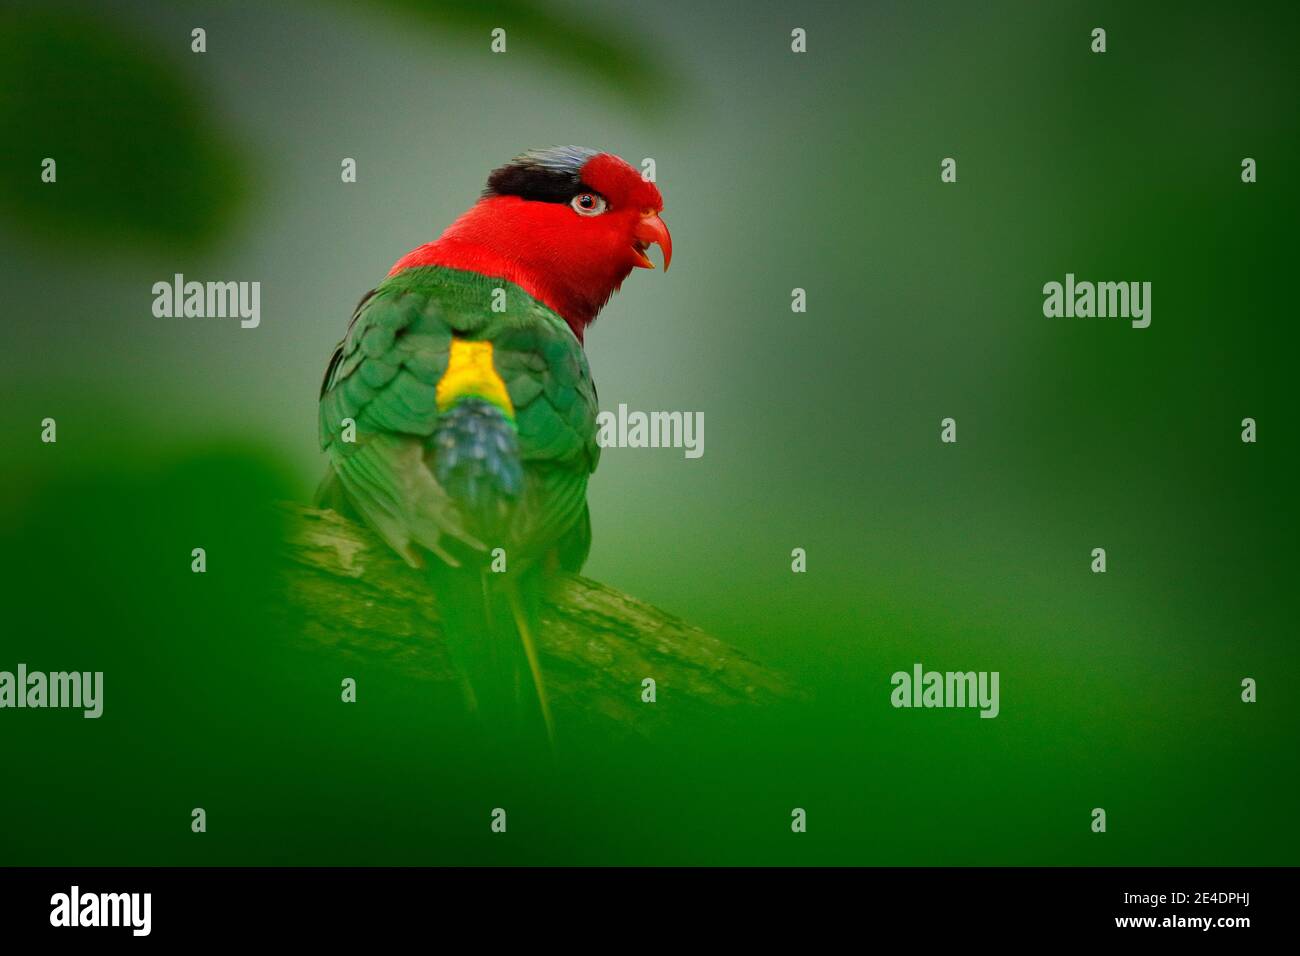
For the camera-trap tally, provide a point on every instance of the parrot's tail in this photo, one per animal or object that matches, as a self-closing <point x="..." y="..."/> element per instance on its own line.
<point x="477" y="461"/>
<point x="491" y="623"/>
<point x="523" y="605"/>
<point x="491" y="618"/>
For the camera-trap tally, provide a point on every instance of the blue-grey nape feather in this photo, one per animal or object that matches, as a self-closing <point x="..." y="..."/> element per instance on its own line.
<point x="560" y="159"/>
<point x="553" y="174"/>
<point x="477" y="458"/>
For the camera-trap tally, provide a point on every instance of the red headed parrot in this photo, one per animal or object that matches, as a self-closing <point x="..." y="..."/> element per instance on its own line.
<point x="459" y="414"/>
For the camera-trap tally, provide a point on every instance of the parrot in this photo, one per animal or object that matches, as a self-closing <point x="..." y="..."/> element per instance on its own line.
<point x="458" y="414"/>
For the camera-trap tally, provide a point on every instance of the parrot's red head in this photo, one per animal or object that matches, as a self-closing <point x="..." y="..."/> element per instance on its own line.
<point x="566" y="224"/>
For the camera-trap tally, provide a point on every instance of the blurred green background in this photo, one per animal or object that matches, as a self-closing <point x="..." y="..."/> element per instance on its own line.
<point x="818" y="171"/>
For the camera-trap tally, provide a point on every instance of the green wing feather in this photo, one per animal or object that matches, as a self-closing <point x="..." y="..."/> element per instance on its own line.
<point x="384" y="376"/>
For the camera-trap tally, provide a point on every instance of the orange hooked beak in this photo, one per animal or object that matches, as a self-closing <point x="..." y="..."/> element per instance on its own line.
<point x="649" y="230"/>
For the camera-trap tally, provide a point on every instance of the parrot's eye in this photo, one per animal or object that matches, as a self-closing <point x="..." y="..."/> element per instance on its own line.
<point x="588" y="204"/>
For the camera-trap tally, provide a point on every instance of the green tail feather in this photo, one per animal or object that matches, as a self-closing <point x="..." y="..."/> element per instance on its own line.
<point x="491" y="624"/>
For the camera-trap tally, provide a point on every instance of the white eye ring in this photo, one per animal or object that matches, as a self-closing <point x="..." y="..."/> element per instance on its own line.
<point x="596" y="207"/>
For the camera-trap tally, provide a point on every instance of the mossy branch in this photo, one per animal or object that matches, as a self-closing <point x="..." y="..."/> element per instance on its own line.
<point x="348" y="593"/>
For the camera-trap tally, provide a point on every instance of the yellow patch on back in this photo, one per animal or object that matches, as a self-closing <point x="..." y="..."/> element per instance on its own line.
<point x="470" y="372"/>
